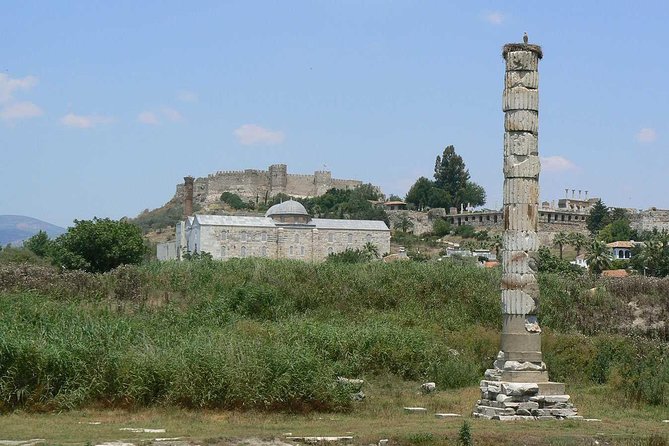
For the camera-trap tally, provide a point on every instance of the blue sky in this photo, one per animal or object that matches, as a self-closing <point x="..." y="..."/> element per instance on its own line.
<point x="105" y="106"/>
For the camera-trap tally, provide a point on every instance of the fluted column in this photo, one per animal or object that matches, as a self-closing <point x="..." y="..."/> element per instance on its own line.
<point x="517" y="387"/>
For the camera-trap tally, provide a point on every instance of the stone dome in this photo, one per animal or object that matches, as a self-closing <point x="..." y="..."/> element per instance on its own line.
<point x="290" y="207"/>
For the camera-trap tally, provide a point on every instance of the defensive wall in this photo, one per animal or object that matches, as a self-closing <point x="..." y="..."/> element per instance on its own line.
<point x="261" y="185"/>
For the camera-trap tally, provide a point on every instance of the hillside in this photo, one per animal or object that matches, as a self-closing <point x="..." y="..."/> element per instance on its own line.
<point x="15" y="229"/>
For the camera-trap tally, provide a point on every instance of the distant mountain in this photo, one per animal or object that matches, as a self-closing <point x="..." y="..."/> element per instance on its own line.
<point x="15" y="229"/>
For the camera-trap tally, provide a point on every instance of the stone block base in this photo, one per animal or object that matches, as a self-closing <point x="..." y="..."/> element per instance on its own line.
<point x="509" y="401"/>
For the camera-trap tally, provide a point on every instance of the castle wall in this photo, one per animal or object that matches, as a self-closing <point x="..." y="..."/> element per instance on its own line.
<point x="650" y="219"/>
<point x="261" y="185"/>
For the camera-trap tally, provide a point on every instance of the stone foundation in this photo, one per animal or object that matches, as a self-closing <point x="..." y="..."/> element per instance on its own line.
<point x="511" y="391"/>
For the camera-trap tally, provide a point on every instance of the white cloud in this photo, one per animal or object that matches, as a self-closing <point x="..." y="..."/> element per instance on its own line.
<point x="171" y="114"/>
<point x="557" y="164"/>
<point x="10" y="108"/>
<point x="251" y="134"/>
<point x="646" y="135"/>
<point x="84" y="121"/>
<point x="147" y="117"/>
<point x="9" y="85"/>
<point x="187" y="96"/>
<point x="156" y="117"/>
<point x="20" y="110"/>
<point x="494" y="17"/>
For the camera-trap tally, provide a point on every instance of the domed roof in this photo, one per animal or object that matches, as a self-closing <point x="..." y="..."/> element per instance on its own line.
<point x="290" y="207"/>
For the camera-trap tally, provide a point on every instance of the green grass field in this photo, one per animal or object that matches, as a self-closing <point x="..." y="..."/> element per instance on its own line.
<point x="212" y="351"/>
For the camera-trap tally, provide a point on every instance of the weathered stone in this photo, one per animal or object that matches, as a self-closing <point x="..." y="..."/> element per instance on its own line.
<point x="516" y="262"/>
<point x="447" y="415"/>
<point x="561" y="412"/>
<point x="521" y="342"/>
<point x="520" y="98"/>
<point x="383" y="442"/>
<point x="551" y="388"/>
<point x="524" y="412"/>
<point x="358" y="396"/>
<point x="527" y="79"/>
<point x="505" y="418"/>
<point x="526" y="282"/>
<point x="521" y="121"/>
<point x="520" y="240"/>
<point x="515" y="365"/>
<point x="520" y="217"/>
<point x="522" y="61"/>
<point x="550" y="398"/>
<point x="519" y="388"/>
<point x="428" y="387"/>
<point x="415" y="410"/>
<point x="342" y="439"/>
<point x="522" y="166"/>
<point x="503" y="397"/>
<point x="532" y="325"/>
<point x="521" y="190"/>
<point x="517" y="302"/>
<point x="493" y="374"/>
<point x="575" y="417"/>
<point x="528" y="405"/>
<point x="530" y="376"/>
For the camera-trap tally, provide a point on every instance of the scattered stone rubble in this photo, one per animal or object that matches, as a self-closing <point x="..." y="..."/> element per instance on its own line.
<point x="354" y="386"/>
<point x="428" y="387"/>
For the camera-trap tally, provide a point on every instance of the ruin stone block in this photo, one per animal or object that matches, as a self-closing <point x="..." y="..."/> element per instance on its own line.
<point x="517" y="342"/>
<point x="521" y="166"/>
<point x="520" y="143"/>
<point x="520" y="98"/>
<point x="520" y="217"/>
<point x="517" y="302"/>
<point x="521" y="190"/>
<point x="522" y="61"/>
<point x="527" y="79"/>
<point x="520" y="240"/>
<point x="521" y="121"/>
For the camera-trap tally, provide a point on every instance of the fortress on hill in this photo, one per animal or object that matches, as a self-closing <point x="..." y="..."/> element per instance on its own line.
<point x="261" y="185"/>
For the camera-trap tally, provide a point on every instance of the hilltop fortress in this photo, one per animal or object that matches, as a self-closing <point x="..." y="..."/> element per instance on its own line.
<point x="261" y="185"/>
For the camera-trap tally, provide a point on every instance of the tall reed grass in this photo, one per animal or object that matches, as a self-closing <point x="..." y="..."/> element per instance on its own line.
<point x="274" y="335"/>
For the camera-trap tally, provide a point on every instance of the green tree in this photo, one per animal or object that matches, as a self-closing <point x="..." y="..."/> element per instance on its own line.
<point x="578" y="241"/>
<point x="450" y="172"/>
<point x="598" y="217"/>
<point x="233" y="200"/>
<point x="471" y="194"/>
<point x="451" y="175"/>
<point x="404" y="223"/>
<point x="615" y="231"/>
<point x="39" y="244"/>
<point x="599" y="257"/>
<point x="441" y="227"/>
<point x="560" y="239"/>
<point x="653" y="258"/>
<point x="99" y="245"/>
<point x="424" y="193"/>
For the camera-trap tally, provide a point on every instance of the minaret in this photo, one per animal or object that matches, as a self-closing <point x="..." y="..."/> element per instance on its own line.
<point x="518" y="384"/>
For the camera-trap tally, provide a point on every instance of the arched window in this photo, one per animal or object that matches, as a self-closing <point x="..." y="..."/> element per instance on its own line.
<point x="330" y="250"/>
<point x="301" y="250"/>
<point x="243" y="251"/>
<point x="263" y="251"/>
<point x="223" y="251"/>
<point x="290" y="250"/>
<point x="369" y="238"/>
<point x="350" y="238"/>
<point x="297" y="238"/>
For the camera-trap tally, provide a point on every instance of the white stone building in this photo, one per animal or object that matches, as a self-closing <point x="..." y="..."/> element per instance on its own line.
<point x="286" y="231"/>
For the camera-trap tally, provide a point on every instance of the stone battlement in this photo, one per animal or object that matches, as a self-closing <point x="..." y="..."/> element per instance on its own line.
<point x="261" y="185"/>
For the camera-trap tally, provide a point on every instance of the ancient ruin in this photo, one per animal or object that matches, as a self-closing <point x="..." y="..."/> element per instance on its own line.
<point x="518" y="387"/>
<point x="260" y="186"/>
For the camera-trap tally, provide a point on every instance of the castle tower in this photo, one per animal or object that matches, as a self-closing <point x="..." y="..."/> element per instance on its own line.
<point x="518" y="385"/>
<point x="278" y="179"/>
<point x="322" y="182"/>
